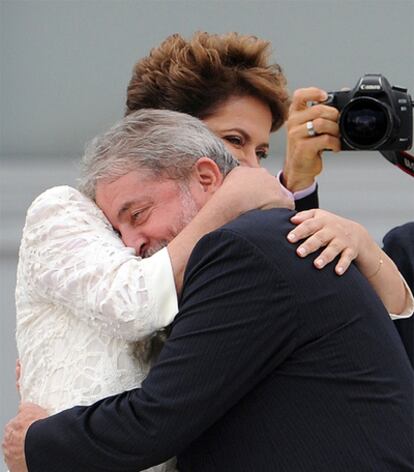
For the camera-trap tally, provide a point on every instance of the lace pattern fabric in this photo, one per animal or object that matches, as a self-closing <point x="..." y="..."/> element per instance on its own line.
<point x="86" y="305"/>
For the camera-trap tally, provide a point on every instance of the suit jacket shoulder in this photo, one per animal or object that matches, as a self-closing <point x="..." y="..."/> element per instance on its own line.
<point x="264" y="231"/>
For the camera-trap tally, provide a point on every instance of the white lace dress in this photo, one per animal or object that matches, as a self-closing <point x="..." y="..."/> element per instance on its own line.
<point x="86" y="305"/>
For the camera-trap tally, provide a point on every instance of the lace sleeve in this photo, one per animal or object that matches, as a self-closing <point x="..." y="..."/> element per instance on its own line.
<point x="71" y="256"/>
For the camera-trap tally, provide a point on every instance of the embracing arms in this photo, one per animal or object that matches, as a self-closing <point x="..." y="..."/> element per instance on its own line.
<point x="70" y="256"/>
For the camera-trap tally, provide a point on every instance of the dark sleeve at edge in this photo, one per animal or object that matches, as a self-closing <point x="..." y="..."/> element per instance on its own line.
<point x="309" y="202"/>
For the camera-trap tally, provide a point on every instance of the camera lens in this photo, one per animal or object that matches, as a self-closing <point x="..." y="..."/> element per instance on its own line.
<point x="365" y="123"/>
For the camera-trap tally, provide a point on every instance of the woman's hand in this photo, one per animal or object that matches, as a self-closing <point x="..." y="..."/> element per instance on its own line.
<point x="339" y="236"/>
<point x="351" y="241"/>
<point x="303" y="158"/>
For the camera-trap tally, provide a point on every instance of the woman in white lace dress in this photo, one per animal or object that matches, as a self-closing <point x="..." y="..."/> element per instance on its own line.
<point x="87" y="306"/>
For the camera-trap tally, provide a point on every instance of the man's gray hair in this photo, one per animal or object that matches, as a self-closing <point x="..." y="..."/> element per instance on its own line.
<point x="163" y="142"/>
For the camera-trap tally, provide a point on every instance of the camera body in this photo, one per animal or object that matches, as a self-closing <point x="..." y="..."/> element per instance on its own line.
<point x="374" y="115"/>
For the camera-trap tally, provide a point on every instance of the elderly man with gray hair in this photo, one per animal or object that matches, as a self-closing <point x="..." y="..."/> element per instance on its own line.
<point x="143" y="178"/>
<point x="270" y="365"/>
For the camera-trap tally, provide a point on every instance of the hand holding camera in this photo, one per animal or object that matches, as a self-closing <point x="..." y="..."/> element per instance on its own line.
<point x="374" y="115"/>
<point x="303" y="158"/>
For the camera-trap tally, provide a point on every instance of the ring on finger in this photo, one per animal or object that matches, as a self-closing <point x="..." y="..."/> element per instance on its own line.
<point x="311" y="130"/>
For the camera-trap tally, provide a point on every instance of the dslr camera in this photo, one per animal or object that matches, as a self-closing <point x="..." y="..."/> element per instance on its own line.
<point x="374" y="115"/>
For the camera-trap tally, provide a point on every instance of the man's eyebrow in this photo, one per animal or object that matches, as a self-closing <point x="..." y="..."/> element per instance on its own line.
<point x="245" y="135"/>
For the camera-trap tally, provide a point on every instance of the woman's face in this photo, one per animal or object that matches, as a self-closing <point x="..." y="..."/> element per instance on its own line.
<point x="244" y="124"/>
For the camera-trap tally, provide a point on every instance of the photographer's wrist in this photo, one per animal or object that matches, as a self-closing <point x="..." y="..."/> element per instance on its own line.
<point x="296" y="182"/>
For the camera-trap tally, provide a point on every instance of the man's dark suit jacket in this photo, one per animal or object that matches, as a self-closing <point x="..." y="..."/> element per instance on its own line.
<point x="271" y="365"/>
<point x="399" y="245"/>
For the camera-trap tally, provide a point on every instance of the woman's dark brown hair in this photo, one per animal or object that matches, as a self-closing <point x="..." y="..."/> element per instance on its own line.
<point x="195" y="76"/>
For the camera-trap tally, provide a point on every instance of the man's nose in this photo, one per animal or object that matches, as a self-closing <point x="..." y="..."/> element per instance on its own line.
<point x="132" y="239"/>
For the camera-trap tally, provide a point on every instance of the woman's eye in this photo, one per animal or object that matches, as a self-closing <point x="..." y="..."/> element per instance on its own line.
<point x="235" y="140"/>
<point x="262" y="154"/>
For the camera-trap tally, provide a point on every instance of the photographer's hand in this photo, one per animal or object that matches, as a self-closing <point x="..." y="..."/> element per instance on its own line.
<point x="303" y="158"/>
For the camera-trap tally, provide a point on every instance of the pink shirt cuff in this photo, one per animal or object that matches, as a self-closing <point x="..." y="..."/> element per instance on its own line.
<point x="301" y="193"/>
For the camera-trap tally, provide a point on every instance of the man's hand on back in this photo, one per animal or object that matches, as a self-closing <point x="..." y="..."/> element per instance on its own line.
<point x="15" y="435"/>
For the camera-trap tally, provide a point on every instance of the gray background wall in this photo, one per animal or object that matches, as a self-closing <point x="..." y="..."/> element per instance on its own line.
<point x="64" y="67"/>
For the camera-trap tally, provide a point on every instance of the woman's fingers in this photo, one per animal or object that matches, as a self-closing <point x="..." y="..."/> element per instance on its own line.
<point x="321" y="126"/>
<point x="313" y="243"/>
<point x="307" y="225"/>
<point x="302" y="96"/>
<point x="313" y="113"/>
<point x="303" y="215"/>
<point x="319" y="229"/>
<point x="333" y="249"/>
<point x="347" y="256"/>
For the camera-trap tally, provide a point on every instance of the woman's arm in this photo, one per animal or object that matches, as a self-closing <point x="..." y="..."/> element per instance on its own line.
<point x="351" y="242"/>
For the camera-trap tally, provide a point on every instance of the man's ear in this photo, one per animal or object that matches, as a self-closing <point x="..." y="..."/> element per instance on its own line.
<point x="207" y="174"/>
